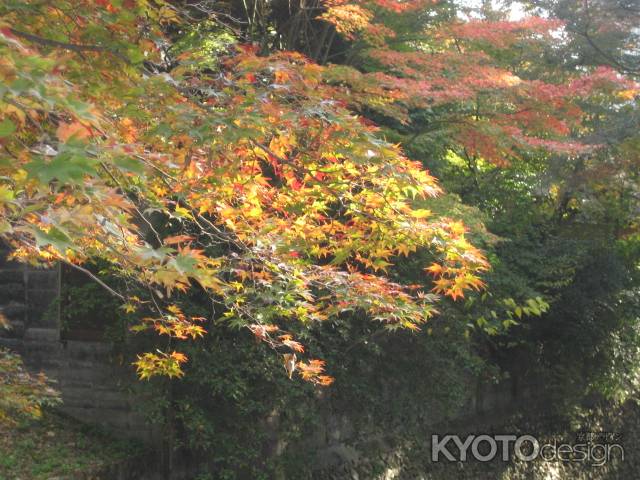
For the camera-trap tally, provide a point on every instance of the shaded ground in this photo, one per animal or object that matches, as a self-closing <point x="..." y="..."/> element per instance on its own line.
<point x="59" y="448"/>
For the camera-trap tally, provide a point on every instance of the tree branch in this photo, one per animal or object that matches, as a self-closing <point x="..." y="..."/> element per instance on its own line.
<point x="74" y="47"/>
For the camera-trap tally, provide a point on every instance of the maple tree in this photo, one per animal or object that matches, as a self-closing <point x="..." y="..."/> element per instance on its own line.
<point x="261" y="165"/>
<point x="601" y="32"/>
<point x="256" y="180"/>
<point x="255" y="184"/>
<point x="479" y="89"/>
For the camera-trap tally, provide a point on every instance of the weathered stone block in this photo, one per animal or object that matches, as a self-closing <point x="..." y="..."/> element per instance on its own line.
<point x="42" y="335"/>
<point x="11" y="291"/>
<point x="87" y="350"/>
<point x="12" y="275"/>
<point x="43" y="280"/>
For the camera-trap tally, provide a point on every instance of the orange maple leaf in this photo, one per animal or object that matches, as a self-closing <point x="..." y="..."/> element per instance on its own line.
<point x="77" y="130"/>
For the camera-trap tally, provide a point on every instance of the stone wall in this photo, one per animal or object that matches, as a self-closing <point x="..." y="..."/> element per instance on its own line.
<point x="411" y="459"/>
<point x="95" y="387"/>
<point x="25" y="295"/>
<point x="366" y="452"/>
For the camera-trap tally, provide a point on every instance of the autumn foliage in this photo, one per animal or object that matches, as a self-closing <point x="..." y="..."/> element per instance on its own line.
<point x="259" y="182"/>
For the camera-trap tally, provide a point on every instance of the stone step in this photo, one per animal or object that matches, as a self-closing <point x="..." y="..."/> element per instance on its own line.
<point x="38" y="350"/>
<point x="42" y="334"/>
<point x="79" y="349"/>
<point x="92" y="377"/>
